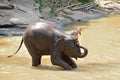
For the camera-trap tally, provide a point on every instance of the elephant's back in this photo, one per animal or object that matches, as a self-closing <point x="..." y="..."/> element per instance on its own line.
<point x="41" y="35"/>
<point x="42" y="31"/>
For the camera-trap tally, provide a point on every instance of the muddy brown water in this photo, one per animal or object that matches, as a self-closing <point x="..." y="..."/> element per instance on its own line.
<point x="100" y="36"/>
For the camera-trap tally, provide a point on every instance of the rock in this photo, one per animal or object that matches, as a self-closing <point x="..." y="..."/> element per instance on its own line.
<point x="83" y="16"/>
<point x="16" y="14"/>
<point x="11" y="30"/>
<point x="63" y="20"/>
<point x="6" y="7"/>
<point x="67" y="11"/>
<point x="110" y="5"/>
<point x="21" y="12"/>
<point x="55" y="24"/>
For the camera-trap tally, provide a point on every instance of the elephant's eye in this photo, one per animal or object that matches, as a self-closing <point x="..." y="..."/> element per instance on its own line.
<point x="77" y="44"/>
<point x="72" y="44"/>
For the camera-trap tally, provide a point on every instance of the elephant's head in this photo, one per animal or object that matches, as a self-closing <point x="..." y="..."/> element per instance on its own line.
<point x="70" y="46"/>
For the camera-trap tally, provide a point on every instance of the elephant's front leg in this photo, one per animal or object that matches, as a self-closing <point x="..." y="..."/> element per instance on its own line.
<point x="57" y="60"/>
<point x="69" y="61"/>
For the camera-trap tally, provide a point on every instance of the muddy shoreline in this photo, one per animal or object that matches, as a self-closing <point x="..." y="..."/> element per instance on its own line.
<point x="15" y="16"/>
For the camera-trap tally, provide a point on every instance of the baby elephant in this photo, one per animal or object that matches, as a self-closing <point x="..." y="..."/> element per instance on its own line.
<point x="42" y="38"/>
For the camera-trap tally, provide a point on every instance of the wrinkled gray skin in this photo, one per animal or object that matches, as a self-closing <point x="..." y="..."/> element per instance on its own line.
<point x="43" y="39"/>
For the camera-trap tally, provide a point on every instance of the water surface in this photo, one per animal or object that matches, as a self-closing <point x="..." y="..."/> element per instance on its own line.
<point x="100" y="36"/>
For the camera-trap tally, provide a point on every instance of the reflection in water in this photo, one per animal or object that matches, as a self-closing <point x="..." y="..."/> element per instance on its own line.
<point x="102" y="39"/>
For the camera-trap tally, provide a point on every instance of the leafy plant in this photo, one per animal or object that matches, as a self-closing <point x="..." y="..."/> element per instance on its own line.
<point x="40" y="2"/>
<point x="84" y="1"/>
<point x="59" y="3"/>
<point x="53" y="6"/>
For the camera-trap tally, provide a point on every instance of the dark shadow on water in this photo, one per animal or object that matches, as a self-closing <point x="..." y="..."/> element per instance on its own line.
<point x="48" y="67"/>
<point x="89" y="67"/>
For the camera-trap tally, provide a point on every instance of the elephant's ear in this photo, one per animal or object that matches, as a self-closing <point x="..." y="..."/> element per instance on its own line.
<point x="60" y="40"/>
<point x="60" y="44"/>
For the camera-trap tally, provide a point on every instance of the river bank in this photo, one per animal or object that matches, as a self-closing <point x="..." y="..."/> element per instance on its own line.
<point x="15" y="15"/>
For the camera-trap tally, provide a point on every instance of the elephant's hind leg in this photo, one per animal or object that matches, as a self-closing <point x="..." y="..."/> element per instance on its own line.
<point x="36" y="61"/>
<point x="36" y="57"/>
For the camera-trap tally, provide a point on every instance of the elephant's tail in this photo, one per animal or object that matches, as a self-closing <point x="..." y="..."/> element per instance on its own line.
<point x="17" y="49"/>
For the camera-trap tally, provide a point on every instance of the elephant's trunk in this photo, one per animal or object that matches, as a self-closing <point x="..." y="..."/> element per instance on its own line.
<point x="82" y="55"/>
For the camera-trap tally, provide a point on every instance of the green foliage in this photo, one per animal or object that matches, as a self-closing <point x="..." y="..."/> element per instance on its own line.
<point x="84" y="1"/>
<point x="59" y="2"/>
<point x="53" y="9"/>
<point x="40" y="2"/>
<point x="56" y="4"/>
<point x="73" y="5"/>
<point x="53" y="6"/>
